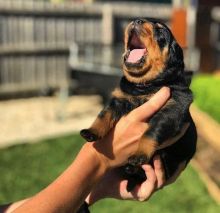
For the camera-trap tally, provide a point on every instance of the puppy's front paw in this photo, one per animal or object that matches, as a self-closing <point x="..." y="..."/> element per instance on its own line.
<point x="88" y="135"/>
<point x="131" y="184"/>
<point x="138" y="160"/>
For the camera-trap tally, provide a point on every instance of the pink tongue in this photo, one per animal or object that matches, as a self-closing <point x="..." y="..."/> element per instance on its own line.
<point x="135" y="55"/>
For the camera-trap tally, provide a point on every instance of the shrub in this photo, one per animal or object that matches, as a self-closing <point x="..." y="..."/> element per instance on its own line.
<point x="206" y="90"/>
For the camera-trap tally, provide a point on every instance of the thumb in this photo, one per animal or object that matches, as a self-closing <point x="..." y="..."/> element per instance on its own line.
<point x="143" y="112"/>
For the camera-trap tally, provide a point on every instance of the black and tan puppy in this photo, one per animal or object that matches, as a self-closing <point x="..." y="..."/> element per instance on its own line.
<point x="152" y="59"/>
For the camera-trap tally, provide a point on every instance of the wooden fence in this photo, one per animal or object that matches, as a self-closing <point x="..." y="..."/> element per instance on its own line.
<point x="35" y="37"/>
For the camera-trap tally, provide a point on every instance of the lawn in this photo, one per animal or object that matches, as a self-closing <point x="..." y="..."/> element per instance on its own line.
<point x="26" y="169"/>
<point x="206" y="90"/>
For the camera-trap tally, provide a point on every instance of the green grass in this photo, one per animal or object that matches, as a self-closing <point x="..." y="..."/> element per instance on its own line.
<point x="26" y="169"/>
<point x="206" y="91"/>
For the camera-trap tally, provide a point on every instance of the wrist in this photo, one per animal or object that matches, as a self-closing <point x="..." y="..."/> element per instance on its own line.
<point x="98" y="193"/>
<point x="91" y="199"/>
<point x="98" y="159"/>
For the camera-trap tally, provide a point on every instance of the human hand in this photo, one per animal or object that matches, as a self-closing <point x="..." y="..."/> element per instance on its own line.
<point x="122" y="142"/>
<point x="117" y="189"/>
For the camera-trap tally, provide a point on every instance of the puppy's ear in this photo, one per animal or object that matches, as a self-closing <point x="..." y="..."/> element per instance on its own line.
<point x="176" y="55"/>
<point x="175" y="63"/>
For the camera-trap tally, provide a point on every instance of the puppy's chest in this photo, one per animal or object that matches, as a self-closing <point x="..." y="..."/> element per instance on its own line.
<point x="127" y="102"/>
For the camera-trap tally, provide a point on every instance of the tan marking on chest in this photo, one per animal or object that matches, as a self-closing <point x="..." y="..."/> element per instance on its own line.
<point x="118" y="93"/>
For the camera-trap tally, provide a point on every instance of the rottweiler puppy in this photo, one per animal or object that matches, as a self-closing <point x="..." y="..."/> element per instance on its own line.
<point x="152" y="59"/>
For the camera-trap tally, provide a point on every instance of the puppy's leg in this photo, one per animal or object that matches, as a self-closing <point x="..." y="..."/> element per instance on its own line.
<point x="133" y="170"/>
<point x="107" y="119"/>
<point x="147" y="149"/>
<point x="165" y="128"/>
<point x="100" y="127"/>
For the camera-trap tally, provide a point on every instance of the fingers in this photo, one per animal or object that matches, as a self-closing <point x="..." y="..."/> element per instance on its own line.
<point x="146" y="110"/>
<point x="155" y="180"/>
<point x="147" y="188"/>
<point x="159" y="171"/>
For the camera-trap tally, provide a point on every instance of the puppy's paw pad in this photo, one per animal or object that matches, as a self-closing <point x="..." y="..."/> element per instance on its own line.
<point x="88" y="135"/>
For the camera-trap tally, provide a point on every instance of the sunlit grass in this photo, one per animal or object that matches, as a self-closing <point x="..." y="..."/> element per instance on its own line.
<point x="206" y="89"/>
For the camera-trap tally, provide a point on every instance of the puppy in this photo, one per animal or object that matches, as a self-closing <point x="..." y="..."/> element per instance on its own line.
<point x="152" y="59"/>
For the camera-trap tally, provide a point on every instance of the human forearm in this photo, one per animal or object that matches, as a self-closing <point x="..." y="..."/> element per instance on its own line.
<point x="69" y="190"/>
<point x="8" y="208"/>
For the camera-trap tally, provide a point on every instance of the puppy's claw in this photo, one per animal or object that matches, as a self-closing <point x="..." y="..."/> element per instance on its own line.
<point x="88" y="135"/>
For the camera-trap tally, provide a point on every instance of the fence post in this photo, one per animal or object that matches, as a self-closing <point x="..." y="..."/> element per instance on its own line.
<point x="107" y="25"/>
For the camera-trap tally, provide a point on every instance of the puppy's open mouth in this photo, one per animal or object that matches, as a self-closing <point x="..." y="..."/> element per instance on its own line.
<point x="136" y="50"/>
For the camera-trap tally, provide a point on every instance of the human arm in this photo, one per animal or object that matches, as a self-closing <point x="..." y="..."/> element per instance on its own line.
<point x="8" y="208"/>
<point x="117" y="189"/>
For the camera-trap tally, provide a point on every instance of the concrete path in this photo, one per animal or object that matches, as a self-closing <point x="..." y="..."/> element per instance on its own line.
<point x="28" y="120"/>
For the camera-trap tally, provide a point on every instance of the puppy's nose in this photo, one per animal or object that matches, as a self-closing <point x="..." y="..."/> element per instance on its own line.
<point x="138" y="21"/>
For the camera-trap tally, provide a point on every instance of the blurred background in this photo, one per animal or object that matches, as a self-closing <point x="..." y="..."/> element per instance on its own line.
<point x="59" y="60"/>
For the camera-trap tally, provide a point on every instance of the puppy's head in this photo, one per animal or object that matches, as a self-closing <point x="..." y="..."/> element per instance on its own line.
<point x="150" y="52"/>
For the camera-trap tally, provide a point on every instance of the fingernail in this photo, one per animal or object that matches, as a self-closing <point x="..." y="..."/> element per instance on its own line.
<point x="157" y="157"/>
<point x="146" y="166"/>
<point x="165" y="91"/>
<point x="157" y="161"/>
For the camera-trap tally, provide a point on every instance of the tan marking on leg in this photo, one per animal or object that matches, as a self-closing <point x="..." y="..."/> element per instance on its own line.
<point x="147" y="146"/>
<point x="102" y="126"/>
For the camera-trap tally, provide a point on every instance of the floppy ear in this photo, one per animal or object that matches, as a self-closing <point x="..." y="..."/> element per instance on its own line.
<point x="175" y="55"/>
<point x="175" y="65"/>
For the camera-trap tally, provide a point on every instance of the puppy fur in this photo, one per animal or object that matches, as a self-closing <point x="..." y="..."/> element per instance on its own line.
<point x="161" y="64"/>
